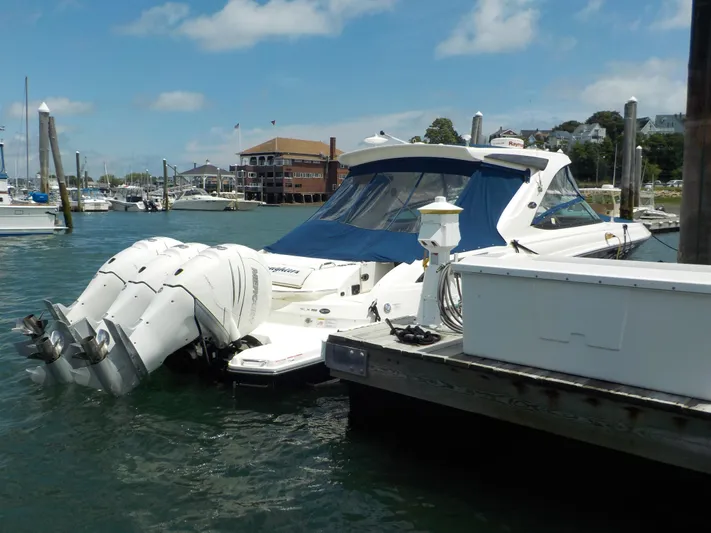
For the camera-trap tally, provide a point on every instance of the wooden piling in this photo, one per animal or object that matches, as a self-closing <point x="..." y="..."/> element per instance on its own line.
<point x="44" y="147"/>
<point x="695" y="235"/>
<point x="165" y="186"/>
<point x="637" y="175"/>
<point x="59" y="170"/>
<point x="476" y="128"/>
<point x="628" y="147"/>
<point x="79" y="201"/>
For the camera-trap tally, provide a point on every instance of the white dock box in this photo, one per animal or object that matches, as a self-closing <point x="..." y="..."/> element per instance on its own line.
<point x="635" y="323"/>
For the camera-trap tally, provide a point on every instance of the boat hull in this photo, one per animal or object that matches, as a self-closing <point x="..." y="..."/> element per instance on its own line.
<point x="247" y="205"/>
<point x="27" y="220"/>
<point x="118" y="205"/>
<point x="218" y="204"/>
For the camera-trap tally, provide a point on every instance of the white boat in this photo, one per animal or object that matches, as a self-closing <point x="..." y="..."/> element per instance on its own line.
<point x="605" y="201"/>
<point x="90" y="202"/>
<point x="128" y="199"/>
<point x="25" y="217"/>
<point x="357" y="260"/>
<point x="195" y="199"/>
<point x="94" y="201"/>
<point x="240" y="203"/>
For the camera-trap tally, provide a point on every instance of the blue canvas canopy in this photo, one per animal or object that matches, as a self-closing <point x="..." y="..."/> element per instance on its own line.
<point x="373" y="215"/>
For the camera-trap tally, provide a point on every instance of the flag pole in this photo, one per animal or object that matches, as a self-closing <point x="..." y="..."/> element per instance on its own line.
<point x="276" y="138"/>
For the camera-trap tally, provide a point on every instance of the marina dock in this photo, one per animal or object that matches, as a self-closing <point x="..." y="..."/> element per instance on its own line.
<point x="667" y="428"/>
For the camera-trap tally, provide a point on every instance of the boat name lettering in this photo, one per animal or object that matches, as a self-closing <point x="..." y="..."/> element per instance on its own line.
<point x="255" y="293"/>
<point x="285" y="270"/>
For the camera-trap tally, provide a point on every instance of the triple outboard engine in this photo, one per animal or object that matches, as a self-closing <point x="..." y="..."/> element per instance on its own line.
<point x="110" y="280"/>
<point x="51" y="340"/>
<point x="214" y="299"/>
<point x="138" y="293"/>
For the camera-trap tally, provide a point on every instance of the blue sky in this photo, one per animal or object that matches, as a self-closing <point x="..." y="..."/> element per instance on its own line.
<point x="134" y="81"/>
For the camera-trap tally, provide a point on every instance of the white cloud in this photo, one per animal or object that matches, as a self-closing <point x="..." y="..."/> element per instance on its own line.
<point x="221" y="145"/>
<point x="492" y="26"/>
<point x="159" y="19"/>
<point x="592" y="7"/>
<point x="58" y="105"/>
<point x="675" y="14"/>
<point x="178" y="101"/>
<point x="243" y="23"/>
<point x="658" y="84"/>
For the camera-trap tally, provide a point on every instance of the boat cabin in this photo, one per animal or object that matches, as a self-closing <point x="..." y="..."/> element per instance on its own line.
<point x="505" y="193"/>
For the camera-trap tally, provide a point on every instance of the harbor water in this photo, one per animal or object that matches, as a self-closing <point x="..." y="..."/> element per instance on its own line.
<point x="181" y="454"/>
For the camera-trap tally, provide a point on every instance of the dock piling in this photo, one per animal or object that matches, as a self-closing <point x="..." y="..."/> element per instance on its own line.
<point x="695" y="236"/>
<point x="165" y="185"/>
<point x="637" y="175"/>
<point x="628" y="154"/>
<point x="476" y="128"/>
<point x="59" y="169"/>
<point x="44" y="147"/>
<point x="79" y="201"/>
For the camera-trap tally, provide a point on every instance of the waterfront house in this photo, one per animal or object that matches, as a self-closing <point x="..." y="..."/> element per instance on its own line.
<point x="284" y="170"/>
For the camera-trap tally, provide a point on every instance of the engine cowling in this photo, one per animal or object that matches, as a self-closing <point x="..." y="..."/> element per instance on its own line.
<point x="110" y="280"/>
<point x="221" y="295"/>
<point x="140" y="291"/>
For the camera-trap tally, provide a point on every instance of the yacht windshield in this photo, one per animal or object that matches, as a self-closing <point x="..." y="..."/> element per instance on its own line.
<point x="389" y="200"/>
<point x="373" y="216"/>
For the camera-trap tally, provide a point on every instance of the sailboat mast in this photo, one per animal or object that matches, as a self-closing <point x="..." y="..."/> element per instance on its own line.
<point x="27" y="131"/>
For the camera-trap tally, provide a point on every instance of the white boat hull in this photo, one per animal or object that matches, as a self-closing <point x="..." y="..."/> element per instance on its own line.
<point x="247" y="205"/>
<point x="94" y="206"/>
<point x="28" y="220"/>
<point x="119" y="205"/>
<point x="213" y="204"/>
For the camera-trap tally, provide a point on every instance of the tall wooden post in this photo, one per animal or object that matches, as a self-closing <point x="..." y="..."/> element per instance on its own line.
<point x="79" y="201"/>
<point x="628" y="144"/>
<point x="476" y="128"/>
<point x="59" y="170"/>
<point x="637" y="175"/>
<point x="165" y="185"/>
<point x="44" y="147"/>
<point x="695" y="234"/>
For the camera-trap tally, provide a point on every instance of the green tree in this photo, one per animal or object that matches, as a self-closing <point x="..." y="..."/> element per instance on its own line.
<point x="651" y="172"/>
<point x="442" y="131"/>
<point x="416" y="139"/>
<point x="666" y="151"/>
<point x="568" y="125"/>
<point x="111" y="179"/>
<point x="612" y="121"/>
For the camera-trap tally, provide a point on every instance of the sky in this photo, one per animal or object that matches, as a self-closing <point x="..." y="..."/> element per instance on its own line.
<point x="132" y="82"/>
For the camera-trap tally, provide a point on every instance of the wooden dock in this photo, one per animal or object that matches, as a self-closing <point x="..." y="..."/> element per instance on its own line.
<point x="670" y="429"/>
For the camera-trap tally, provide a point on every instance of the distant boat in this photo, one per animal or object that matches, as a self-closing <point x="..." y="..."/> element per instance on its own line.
<point x="195" y="199"/>
<point x="34" y="216"/>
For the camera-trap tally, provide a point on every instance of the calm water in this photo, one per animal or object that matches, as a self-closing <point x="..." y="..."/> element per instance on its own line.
<point x="179" y="455"/>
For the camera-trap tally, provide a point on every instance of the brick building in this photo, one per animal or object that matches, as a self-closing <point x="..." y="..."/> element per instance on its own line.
<point x="284" y="170"/>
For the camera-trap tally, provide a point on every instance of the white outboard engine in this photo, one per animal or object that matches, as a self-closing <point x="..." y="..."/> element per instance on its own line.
<point x="138" y="293"/>
<point x="216" y="298"/>
<point x="110" y="280"/>
<point x="56" y="342"/>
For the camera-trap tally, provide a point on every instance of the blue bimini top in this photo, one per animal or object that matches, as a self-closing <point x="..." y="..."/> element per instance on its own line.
<point x="373" y="215"/>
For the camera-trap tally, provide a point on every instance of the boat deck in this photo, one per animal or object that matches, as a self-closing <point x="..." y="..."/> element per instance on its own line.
<point x="664" y="427"/>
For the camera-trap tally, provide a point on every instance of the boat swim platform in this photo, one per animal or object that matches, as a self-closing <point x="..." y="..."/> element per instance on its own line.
<point x="661" y="225"/>
<point x="667" y="428"/>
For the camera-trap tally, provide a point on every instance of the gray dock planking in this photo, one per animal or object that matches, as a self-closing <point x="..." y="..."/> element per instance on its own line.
<point x="663" y="427"/>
